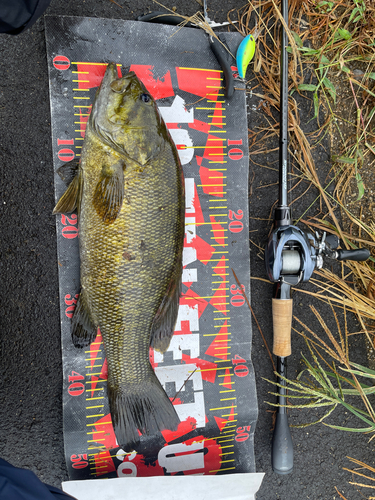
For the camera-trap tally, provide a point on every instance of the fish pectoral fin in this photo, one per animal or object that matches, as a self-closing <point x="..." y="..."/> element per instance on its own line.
<point x="69" y="201"/>
<point x="68" y="171"/>
<point x="109" y="193"/>
<point x="84" y="328"/>
<point x="166" y="317"/>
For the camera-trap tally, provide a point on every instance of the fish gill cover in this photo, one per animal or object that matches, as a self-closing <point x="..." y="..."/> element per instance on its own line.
<point x="207" y="370"/>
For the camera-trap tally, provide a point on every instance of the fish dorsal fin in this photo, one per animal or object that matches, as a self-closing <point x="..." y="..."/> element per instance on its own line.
<point x="166" y="316"/>
<point x="84" y="328"/>
<point x="109" y="192"/>
<point x="70" y="200"/>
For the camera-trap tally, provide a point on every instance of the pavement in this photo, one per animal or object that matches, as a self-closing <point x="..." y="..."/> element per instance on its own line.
<point x="31" y="433"/>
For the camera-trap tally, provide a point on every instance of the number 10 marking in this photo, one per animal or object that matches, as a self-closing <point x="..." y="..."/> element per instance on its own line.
<point x="235" y="153"/>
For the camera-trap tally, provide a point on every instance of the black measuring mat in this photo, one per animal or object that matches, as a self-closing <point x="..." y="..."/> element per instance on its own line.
<point x="207" y="367"/>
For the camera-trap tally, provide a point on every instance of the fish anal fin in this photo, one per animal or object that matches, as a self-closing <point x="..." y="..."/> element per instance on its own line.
<point x="69" y="201"/>
<point x="109" y="193"/>
<point x="84" y="329"/>
<point x="166" y="317"/>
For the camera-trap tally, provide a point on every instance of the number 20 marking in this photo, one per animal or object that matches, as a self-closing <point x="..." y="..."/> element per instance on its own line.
<point x="236" y="225"/>
<point x="70" y="229"/>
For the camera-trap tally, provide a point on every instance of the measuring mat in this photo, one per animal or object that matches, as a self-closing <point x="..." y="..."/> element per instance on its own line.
<point x="207" y="368"/>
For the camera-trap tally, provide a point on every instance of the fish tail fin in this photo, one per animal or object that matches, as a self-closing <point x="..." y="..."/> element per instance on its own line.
<point x="143" y="407"/>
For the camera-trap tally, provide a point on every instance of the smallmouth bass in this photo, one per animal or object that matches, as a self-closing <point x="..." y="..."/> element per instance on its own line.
<point x="128" y="189"/>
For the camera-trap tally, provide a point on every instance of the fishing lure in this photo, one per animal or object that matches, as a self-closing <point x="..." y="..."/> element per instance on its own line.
<point x="245" y="53"/>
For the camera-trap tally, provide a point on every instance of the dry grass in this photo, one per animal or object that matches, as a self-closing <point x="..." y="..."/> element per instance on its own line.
<point x="331" y="42"/>
<point x="326" y="39"/>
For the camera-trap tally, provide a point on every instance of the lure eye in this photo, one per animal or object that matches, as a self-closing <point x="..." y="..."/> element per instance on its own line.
<point x="145" y="98"/>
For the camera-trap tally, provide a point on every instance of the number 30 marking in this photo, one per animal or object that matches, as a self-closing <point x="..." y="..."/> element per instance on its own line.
<point x="238" y="298"/>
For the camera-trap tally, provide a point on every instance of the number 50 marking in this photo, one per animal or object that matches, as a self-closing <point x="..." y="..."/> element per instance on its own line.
<point x="79" y="461"/>
<point x="241" y="434"/>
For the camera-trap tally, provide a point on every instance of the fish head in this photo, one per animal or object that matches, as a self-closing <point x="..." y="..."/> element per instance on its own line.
<point x="126" y="117"/>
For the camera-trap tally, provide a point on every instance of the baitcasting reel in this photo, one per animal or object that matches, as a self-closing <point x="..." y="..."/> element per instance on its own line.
<point x="292" y="254"/>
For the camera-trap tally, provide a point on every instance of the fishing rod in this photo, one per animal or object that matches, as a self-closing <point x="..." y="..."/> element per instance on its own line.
<point x="291" y="257"/>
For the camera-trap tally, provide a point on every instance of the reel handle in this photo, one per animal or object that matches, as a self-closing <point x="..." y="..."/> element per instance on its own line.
<point x="358" y="255"/>
<point x="282" y="313"/>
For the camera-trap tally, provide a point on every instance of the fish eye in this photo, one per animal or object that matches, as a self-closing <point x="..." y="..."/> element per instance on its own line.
<point x="146" y="97"/>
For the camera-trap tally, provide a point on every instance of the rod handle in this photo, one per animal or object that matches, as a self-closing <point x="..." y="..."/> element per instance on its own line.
<point x="282" y="313"/>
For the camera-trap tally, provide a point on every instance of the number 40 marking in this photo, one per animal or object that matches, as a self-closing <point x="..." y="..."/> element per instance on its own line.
<point x="241" y="370"/>
<point x="76" y="388"/>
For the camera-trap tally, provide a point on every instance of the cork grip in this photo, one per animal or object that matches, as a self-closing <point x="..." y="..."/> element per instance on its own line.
<point x="282" y="312"/>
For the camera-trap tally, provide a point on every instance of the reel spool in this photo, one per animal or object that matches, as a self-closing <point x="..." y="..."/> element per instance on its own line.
<point x="290" y="262"/>
<point x="290" y="252"/>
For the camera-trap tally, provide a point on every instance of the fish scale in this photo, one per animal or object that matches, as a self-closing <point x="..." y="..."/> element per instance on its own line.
<point x="130" y="199"/>
<point x="131" y="303"/>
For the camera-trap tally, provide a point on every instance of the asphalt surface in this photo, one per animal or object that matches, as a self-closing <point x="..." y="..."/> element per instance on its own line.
<point x="31" y="434"/>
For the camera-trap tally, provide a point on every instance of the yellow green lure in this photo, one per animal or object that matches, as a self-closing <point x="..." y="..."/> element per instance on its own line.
<point x="245" y="53"/>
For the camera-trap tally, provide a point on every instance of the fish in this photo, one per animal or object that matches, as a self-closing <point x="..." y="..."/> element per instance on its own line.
<point x="128" y="190"/>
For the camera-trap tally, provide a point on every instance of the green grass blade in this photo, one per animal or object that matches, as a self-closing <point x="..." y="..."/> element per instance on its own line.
<point x="364" y="369"/>
<point x="307" y="86"/>
<point x="320" y="420"/>
<point x="350" y="429"/>
<point x="360" y="185"/>
<point x="297" y="39"/>
<point x="344" y="159"/>
<point x="330" y="88"/>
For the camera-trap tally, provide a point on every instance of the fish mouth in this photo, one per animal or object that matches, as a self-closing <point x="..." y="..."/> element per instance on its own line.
<point x="120" y="85"/>
<point x="101" y="97"/>
<point x="110" y="85"/>
<point x="113" y="83"/>
<point x="110" y="76"/>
